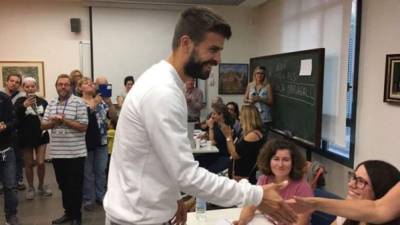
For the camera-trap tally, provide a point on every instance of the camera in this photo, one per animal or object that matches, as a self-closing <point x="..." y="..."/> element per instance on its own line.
<point x="105" y="90"/>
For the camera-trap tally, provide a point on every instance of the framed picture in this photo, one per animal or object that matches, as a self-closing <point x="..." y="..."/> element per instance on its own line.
<point x="233" y="78"/>
<point x="392" y="78"/>
<point x="33" y="69"/>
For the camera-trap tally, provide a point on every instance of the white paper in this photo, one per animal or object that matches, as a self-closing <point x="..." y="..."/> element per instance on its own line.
<point x="306" y="67"/>
<point x="223" y="222"/>
<point x="260" y="219"/>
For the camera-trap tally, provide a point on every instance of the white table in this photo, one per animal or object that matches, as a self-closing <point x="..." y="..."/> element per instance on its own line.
<point x="224" y="217"/>
<point x="205" y="149"/>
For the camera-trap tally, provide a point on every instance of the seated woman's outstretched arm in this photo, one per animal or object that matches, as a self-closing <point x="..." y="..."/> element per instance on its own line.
<point x="382" y="210"/>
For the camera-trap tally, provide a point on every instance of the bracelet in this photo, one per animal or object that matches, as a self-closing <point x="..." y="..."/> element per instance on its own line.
<point x="228" y="139"/>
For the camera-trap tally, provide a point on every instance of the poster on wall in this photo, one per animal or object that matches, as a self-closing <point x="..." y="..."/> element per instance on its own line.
<point x="233" y="78"/>
<point x="33" y="69"/>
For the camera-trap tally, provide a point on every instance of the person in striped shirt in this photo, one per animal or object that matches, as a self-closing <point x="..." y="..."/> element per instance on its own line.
<point x="67" y="118"/>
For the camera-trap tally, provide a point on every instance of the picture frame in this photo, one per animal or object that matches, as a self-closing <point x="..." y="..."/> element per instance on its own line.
<point x="233" y="78"/>
<point x="392" y="79"/>
<point x="33" y="69"/>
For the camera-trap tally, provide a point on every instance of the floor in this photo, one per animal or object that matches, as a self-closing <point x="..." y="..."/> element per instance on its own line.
<point x="42" y="210"/>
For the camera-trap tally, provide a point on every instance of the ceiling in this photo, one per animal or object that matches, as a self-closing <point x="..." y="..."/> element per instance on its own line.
<point x="248" y="3"/>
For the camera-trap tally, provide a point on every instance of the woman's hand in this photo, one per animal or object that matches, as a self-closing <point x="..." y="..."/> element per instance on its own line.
<point x="210" y="123"/>
<point x="246" y="215"/>
<point x="29" y="101"/>
<point x="226" y="130"/>
<point x="180" y="215"/>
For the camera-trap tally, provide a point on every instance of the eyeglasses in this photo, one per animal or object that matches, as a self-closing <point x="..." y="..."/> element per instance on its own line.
<point x="359" y="181"/>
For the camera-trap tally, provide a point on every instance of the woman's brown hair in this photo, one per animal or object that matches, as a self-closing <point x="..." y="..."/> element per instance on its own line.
<point x="269" y="150"/>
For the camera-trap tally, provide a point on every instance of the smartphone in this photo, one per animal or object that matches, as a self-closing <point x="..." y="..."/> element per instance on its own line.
<point x="105" y="90"/>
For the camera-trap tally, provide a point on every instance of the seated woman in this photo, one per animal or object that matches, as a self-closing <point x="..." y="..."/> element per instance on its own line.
<point x="371" y="180"/>
<point x="278" y="161"/>
<point x="233" y="109"/>
<point x="245" y="151"/>
<point x="220" y="118"/>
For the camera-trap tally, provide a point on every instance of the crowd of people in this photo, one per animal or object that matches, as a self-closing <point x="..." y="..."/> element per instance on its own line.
<point x="151" y="148"/>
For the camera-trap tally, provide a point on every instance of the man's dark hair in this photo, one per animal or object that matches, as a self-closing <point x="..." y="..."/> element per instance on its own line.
<point x="129" y="78"/>
<point x="196" y="22"/>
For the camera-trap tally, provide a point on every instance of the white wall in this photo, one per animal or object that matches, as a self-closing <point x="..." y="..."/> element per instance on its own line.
<point x="40" y="31"/>
<point x="377" y="122"/>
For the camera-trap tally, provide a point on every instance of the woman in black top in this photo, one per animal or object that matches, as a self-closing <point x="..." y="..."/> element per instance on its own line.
<point x="245" y="151"/>
<point x="220" y="118"/>
<point x="29" y="111"/>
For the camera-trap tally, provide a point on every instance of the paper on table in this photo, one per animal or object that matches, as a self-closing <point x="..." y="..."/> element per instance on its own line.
<point x="305" y="67"/>
<point x="260" y="219"/>
<point x="223" y="222"/>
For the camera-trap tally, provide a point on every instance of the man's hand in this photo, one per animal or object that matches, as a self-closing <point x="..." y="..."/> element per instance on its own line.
<point x="302" y="205"/>
<point x="180" y="215"/>
<point x="273" y="204"/>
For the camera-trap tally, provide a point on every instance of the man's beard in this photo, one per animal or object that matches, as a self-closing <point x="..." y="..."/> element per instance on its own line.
<point x="63" y="94"/>
<point x="194" y="68"/>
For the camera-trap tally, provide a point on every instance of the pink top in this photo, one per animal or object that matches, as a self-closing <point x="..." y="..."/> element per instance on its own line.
<point x="295" y="188"/>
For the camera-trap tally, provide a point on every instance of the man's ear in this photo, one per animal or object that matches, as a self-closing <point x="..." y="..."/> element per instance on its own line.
<point x="186" y="44"/>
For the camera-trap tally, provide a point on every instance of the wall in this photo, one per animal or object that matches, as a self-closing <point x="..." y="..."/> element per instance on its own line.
<point x="40" y="31"/>
<point x="377" y="122"/>
<point x="284" y="26"/>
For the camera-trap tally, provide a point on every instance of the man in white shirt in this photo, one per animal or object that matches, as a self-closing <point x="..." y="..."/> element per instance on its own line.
<point x="152" y="160"/>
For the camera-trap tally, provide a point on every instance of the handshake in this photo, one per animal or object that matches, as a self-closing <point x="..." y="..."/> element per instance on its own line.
<point x="273" y="204"/>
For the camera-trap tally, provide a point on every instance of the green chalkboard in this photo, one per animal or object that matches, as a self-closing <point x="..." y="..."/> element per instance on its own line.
<point x="297" y="83"/>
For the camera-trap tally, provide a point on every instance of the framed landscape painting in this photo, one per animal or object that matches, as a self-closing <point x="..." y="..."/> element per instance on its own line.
<point x="33" y="69"/>
<point x="233" y="78"/>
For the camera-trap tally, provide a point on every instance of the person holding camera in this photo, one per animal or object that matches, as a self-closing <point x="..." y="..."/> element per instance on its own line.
<point x="99" y="108"/>
<point x="29" y="111"/>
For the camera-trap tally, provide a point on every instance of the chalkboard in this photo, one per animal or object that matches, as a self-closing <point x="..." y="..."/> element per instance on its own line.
<point x="297" y="84"/>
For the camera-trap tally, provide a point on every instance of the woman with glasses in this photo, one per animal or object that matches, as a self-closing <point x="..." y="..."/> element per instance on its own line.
<point x="259" y="93"/>
<point x="371" y="180"/>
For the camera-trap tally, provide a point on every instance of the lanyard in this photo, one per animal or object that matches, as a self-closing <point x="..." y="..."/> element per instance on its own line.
<point x="65" y="105"/>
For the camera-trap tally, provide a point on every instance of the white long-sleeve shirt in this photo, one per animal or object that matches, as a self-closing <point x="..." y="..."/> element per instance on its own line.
<point x="152" y="161"/>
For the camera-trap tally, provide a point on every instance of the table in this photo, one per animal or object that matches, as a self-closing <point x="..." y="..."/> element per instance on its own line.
<point x="224" y="217"/>
<point x="205" y="149"/>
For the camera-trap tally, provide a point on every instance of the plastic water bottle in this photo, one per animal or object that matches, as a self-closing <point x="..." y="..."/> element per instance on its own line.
<point x="201" y="208"/>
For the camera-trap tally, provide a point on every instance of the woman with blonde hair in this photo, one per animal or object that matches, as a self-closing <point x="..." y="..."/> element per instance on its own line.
<point x="259" y="93"/>
<point x="29" y="111"/>
<point x="94" y="181"/>
<point x="245" y="151"/>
